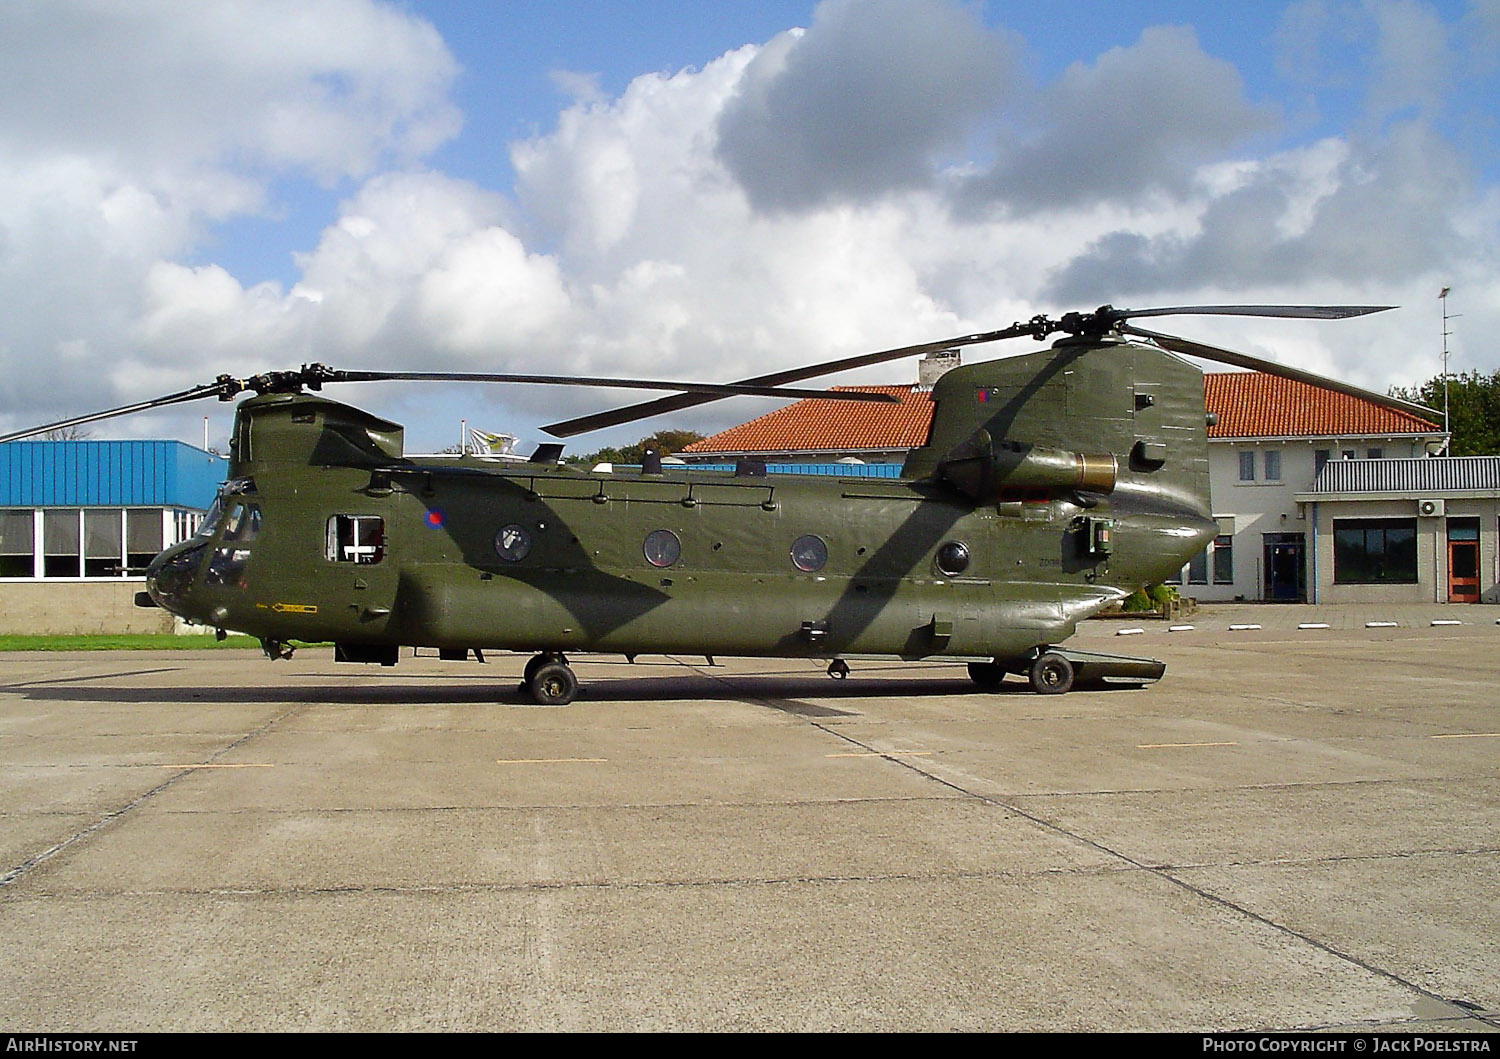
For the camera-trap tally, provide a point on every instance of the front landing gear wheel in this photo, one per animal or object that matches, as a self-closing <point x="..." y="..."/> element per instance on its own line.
<point x="1051" y="674"/>
<point x="553" y="684"/>
<point x="988" y="675"/>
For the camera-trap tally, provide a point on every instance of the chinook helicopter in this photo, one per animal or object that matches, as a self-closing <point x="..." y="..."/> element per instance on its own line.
<point x="1051" y="485"/>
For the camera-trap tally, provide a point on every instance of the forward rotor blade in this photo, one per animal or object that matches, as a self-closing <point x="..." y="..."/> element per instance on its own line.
<point x="212" y="389"/>
<point x="647" y="409"/>
<point x="1270" y="367"/>
<point x="712" y="389"/>
<point x="1292" y="312"/>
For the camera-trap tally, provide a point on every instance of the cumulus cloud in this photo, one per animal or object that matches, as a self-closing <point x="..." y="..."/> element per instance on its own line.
<point x="1363" y="212"/>
<point x="130" y="130"/>
<point x="863" y="102"/>
<point x="1136" y="122"/>
<point x="333" y="86"/>
<point x="886" y="175"/>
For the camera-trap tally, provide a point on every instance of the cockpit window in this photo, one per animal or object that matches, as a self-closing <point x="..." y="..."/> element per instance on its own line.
<point x="226" y="566"/>
<point x="210" y="524"/>
<point x="356" y="539"/>
<point x="243" y="523"/>
<point x="223" y="501"/>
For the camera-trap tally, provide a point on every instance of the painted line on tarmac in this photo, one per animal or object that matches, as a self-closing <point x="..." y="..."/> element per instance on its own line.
<point x="1174" y="746"/>
<point x="553" y="761"/>
<point x="1468" y="735"/>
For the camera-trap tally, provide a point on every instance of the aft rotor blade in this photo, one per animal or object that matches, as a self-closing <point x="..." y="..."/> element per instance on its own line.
<point x="647" y="409"/>
<point x="712" y="389"/>
<point x="1270" y="367"/>
<point x="213" y="389"/>
<point x="1291" y="312"/>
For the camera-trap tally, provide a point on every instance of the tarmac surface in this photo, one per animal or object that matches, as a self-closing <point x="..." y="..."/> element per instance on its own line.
<point x="1295" y="829"/>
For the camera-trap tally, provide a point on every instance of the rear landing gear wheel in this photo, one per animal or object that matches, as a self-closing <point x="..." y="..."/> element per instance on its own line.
<point x="1051" y="674"/>
<point x="988" y="675"/>
<point x="553" y="684"/>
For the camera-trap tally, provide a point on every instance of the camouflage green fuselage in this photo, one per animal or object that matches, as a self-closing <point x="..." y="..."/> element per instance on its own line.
<point x="331" y="533"/>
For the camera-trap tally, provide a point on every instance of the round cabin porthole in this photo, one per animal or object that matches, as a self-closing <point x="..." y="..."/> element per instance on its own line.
<point x="513" y="543"/>
<point x="809" y="553"/>
<point x="662" y="548"/>
<point x="953" y="558"/>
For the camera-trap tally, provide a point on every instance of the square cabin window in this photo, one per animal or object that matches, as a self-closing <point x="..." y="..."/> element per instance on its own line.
<point x="356" y="539"/>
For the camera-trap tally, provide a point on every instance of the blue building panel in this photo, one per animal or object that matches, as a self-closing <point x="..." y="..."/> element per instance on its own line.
<point x="839" y="470"/>
<point x="108" y="474"/>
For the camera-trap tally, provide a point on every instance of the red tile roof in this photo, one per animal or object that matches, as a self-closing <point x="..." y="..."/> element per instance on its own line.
<point x="831" y="426"/>
<point x="1250" y="404"/>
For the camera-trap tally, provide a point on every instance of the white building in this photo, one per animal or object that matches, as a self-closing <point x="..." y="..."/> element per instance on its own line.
<point x="1405" y="531"/>
<point x="1271" y="439"/>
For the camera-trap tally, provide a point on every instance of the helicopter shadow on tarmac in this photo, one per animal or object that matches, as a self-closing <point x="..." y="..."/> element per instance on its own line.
<point x="799" y="694"/>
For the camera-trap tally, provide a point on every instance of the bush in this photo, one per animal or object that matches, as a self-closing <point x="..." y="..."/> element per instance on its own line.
<point x="1153" y="598"/>
<point x="1137" y="602"/>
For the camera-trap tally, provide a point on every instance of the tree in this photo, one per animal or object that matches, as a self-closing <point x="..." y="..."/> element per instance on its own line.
<point x="668" y="441"/>
<point x="1473" y="410"/>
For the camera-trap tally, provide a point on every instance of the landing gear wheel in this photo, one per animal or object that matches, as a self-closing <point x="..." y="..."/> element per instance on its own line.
<point x="533" y="665"/>
<point x="553" y="684"/>
<point x="1051" y="674"/>
<point x="838" y="669"/>
<point x="988" y="675"/>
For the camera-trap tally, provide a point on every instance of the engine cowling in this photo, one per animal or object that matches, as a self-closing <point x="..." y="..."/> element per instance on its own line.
<point x="988" y="471"/>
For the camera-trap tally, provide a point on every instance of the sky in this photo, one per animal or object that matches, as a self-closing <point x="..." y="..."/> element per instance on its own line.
<point x="677" y="189"/>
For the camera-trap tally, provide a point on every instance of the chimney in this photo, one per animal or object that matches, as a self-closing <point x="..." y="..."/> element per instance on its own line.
<point x="934" y="366"/>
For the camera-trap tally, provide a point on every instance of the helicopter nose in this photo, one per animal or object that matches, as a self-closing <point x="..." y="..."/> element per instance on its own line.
<point x="169" y="578"/>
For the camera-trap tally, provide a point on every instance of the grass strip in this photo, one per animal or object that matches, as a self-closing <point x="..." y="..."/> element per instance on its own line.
<point x="137" y="642"/>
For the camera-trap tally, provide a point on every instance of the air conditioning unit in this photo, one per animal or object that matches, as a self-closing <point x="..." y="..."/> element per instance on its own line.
<point x="1430" y="508"/>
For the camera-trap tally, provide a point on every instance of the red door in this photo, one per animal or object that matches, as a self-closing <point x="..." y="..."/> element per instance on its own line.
<point x="1463" y="571"/>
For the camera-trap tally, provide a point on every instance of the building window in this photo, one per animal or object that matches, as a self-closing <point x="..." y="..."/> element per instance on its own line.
<point x="1247" y="466"/>
<point x="185" y="525"/>
<point x="1376" y="551"/>
<point x="1320" y="457"/>
<point x="1375" y="454"/>
<point x="91" y="542"/>
<point x="1223" y="559"/>
<point x="142" y="538"/>
<point x="1273" y="465"/>
<point x="1198" y="569"/>
<point x="60" y="540"/>
<point x="17" y="536"/>
<point x="102" y="542"/>
<point x="1348" y="454"/>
